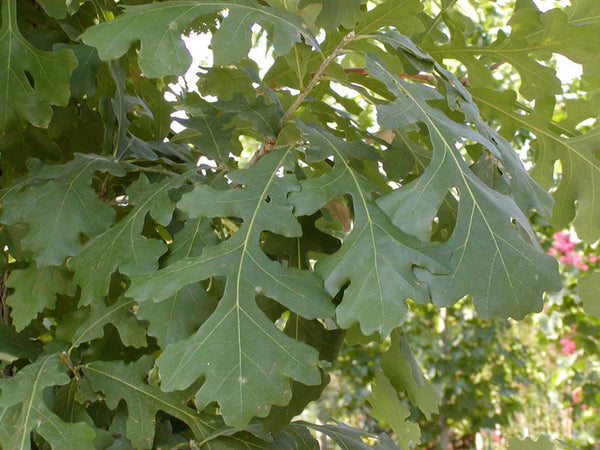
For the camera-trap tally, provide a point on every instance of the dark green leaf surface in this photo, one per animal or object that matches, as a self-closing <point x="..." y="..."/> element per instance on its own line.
<point x="236" y="378"/>
<point x="122" y="246"/>
<point x="178" y="316"/>
<point x="200" y="288"/>
<point x="23" y="101"/>
<point x="376" y="258"/>
<point x="25" y="392"/>
<point x="119" y="314"/>
<point x="35" y="289"/>
<point x="15" y="345"/>
<point x="492" y="235"/>
<point x="60" y="210"/>
<point x="116" y="381"/>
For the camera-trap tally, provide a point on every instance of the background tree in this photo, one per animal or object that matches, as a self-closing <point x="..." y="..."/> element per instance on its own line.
<point x="194" y="289"/>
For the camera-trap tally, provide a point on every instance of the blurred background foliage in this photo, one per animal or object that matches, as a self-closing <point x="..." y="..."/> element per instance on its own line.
<point x="496" y="378"/>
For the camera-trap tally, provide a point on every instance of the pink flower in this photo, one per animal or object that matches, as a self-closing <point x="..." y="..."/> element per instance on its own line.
<point x="567" y="346"/>
<point x="560" y="236"/>
<point x="563" y="248"/>
<point x="566" y="259"/>
<point x="584" y="406"/>
<point x="576" y="394"/>
<point x="496" y="436"/>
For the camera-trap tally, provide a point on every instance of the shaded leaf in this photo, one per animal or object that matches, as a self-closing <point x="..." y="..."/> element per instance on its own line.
<point x="24" y="101"/>
<point x="328" y="342"/>
<point x="35" y="289"/>
<point x="119" y="314"/>
<point x="210" y="130"/>
<point x="60" y="210"/>
<point x="119" y="381"/>
<point x="15" y="345"/>
<point x="350" y="438"/>
<point x="264" y="117"/>
<point x="26" y="389"/>
<point x="83" y="78"/>
<point x="122" y="246"/>
<point x="178" y="316"/>
<point x="55" y="8"/>
<point x="246" y="361"/>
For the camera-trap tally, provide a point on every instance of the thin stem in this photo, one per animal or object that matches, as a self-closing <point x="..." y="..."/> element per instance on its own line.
<point x="4" y="296"/>
<point x="268" y="145"/>
<point x="317" y="77"/>
<point x="65" y="358"/>
<point x="437" y="18"/>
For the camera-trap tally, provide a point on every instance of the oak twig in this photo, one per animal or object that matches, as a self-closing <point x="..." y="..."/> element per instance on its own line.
<point x="268" y="145"/>
<point x="317" y="76"/>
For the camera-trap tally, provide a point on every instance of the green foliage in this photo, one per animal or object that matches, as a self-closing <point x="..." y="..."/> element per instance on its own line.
<point x="387" y="407"/>
<point x="589" y="288"/>
<point x="24" y="100"/>
<point x="192" y="289"/>
<point x="541" y="443"/>
<point x="23" y="408"/>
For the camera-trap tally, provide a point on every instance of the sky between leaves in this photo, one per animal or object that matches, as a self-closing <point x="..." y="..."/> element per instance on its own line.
<point x="198" y="45"/>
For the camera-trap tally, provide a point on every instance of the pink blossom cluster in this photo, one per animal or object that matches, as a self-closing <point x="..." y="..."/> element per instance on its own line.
<point x="568" y="346"/>
<point x="563" y="248"/>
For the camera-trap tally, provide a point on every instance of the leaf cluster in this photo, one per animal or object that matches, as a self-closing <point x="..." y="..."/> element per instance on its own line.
<point x="190" y="289"/>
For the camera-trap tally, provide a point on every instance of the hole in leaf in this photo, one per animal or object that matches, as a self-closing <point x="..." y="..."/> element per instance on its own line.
<point x="282" y="321"/>
<point x="268" y="199"/>
<point x="445" y="219"/>
<point x="298" y="252"/>
<point x="337" y="217"/>
<point x="274" y="311"/>
<point x="30" y="79"/>
<point x="225" y="227"/>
